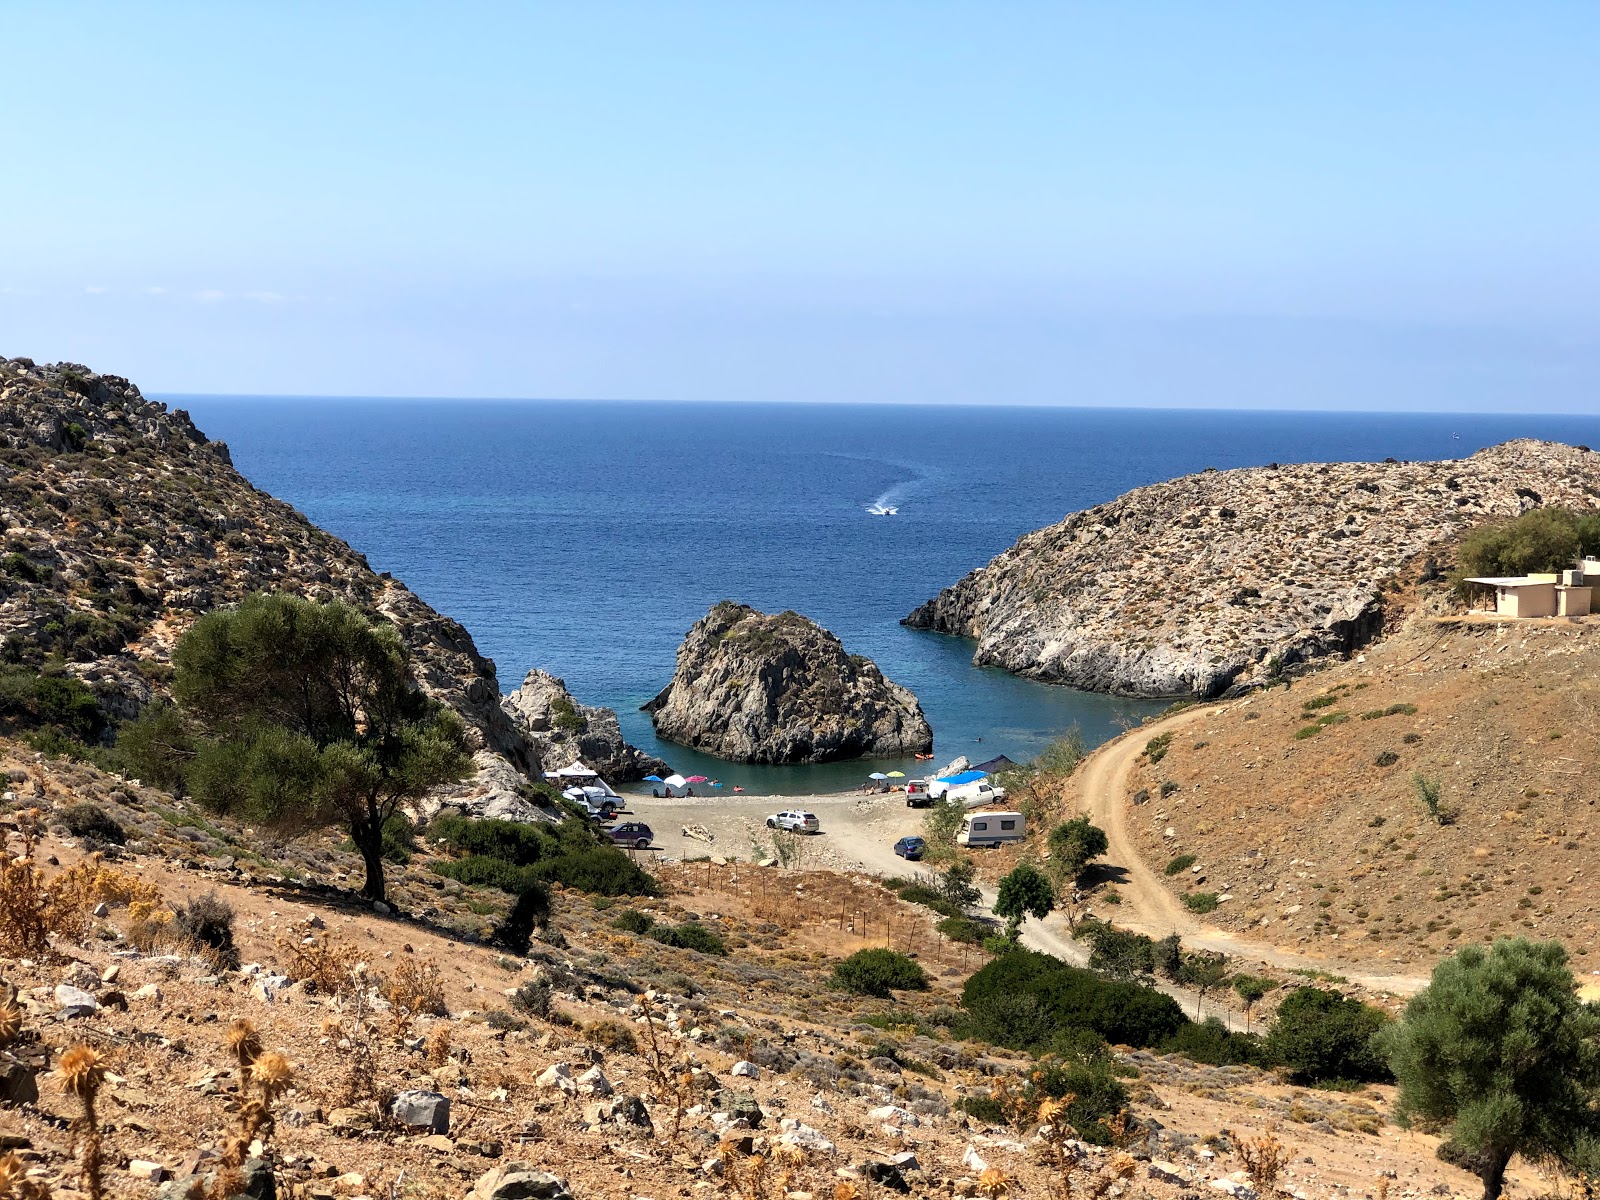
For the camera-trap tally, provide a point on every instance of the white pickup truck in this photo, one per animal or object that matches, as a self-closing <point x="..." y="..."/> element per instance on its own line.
<point x="972" y="788"/>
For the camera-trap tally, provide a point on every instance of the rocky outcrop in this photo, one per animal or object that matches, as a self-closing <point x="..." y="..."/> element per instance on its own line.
<point x="779" y="689"/>
<point x="123" y="522"/>
<point x="1212" y="580"/>
<point x="564" y="731"/>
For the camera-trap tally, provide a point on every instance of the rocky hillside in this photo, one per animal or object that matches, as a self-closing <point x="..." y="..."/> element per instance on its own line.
<point x="122" y="522"/>
<point x="565" y="731"/>
<point x="1201" y="582"/>
<point x="774" y="689"/>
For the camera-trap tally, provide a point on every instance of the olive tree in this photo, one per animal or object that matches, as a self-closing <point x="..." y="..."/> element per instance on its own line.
<point x="1500" y="1051"/>
<point x="309" y="717"/>
<point x="1025" y="892"/>
<point x="1073" y="845"/>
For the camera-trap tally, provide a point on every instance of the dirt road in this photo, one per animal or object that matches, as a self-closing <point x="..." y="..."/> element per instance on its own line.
<point x="1147" y="906"/>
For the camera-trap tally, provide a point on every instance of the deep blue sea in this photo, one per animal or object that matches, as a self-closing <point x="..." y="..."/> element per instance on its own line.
<point x="586" y="537"/>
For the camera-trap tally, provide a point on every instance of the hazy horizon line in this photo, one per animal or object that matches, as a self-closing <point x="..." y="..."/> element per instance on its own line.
<point x="884" y="403"/>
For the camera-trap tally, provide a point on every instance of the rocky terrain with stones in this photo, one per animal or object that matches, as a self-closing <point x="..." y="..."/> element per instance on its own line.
<point x="760" y="688"/>
<point x="122" y="522"/>
<point x="418" y="1061"/>
<point x="1223" y="578"/>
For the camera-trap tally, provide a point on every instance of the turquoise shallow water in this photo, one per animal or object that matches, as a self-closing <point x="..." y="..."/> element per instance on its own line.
<point x="587" y="537"/>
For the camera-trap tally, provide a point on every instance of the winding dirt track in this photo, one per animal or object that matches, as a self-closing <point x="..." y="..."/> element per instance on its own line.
<point x="1147" y="905"/>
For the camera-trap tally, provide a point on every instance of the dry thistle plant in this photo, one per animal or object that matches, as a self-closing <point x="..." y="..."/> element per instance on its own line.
<point x="745" y="1175"/>
<point x="268" y="1077"/>
<point x="1264" y="1159"/>
<point x="1120" y="1167"/>
<point x="1383" y="1188"/>
<point x="1054" y="1144"/>
<point x="244" y="1043"/>
<point x="995" y="1183"/>
<point x="330" y="966"/>
<point x="10" y="1015"/>
<point x="666" y="1066"/>
<point x="438" y="1046"/>
<point x="80" y="1074"/>
<point x="14" y="1181"/>
<point x="415" y="990"/>
<point x="30" y="828"/>
<point x="24" y="932"/>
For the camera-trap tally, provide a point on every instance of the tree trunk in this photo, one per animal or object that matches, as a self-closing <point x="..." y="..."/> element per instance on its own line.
<point x="1493" y="1173"/>
<point x="368" y="837"/>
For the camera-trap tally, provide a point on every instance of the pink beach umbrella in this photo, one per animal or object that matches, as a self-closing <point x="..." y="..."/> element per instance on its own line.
<point x="695" y="779"/>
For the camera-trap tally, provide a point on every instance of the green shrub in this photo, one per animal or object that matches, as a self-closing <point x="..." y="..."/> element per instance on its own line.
<point x="981" y="1106"/>
<point x="29" y="700"/>
<point x="1304" y="732"/>
<point x="964" y="929"/>
<point x="1201" y="902"/>
<point x="1179" y="864"/>
<point x="1322" y="1037"/>
<point x="1097" y="1094"/>
<point x="603" y="870"/>
<point x="532" y="998"/>
<point x="1214" y="1044"/>
<point x="1319" y="702"/>
<point x="631" y="920"/>
<point x="1156" y="748"/>
<point x="512" y="841"/>
<point x="1117" y="952"/>
<point x="207" y="922"/>
<point x="479" y="870"/>
<point x="1406" y="710"/>
<point x="878" y="972"/>
<point x="1024" y="999"/>
<point x="1074" y="844"/>
<point x="88" y="820"/>
<point x="917" y="893"/>
<point x="1540" y="540"/>
<point x="1387" y="758"/>
<point x="689" y="936"/>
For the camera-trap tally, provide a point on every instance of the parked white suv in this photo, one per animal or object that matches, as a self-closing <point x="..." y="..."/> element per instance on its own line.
<point x="795" y="821"/>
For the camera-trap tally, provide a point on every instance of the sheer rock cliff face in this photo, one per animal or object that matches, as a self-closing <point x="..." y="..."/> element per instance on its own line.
<point x="565" y="731"/>
<point x="1201" y="583"/>
<point x="122" y="522"/>
<point x="778" y="689"/>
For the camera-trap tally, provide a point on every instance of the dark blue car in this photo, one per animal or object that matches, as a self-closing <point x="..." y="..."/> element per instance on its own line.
<point x="910" y="848"/>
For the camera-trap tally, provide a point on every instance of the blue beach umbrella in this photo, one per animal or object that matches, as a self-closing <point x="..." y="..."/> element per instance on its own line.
<point x="652" y="779"/>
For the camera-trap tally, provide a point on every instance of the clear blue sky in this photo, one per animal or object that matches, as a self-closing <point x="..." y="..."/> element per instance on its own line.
<point x="1281" y="205"/>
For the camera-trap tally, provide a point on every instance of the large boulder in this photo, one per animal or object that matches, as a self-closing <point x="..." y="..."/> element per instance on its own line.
<point x="564" y="731"/>
<point x="778" y="689"/>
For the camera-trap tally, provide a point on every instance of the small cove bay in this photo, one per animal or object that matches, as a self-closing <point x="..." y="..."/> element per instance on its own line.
<point x="586" y="537"/>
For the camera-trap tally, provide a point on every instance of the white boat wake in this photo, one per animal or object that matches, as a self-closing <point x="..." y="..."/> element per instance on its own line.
<point x="879" y="509"/>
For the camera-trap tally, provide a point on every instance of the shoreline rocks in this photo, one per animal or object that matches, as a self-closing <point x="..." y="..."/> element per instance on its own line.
<point x="1221" y="579"/>
<point x="564" y="731"/>
<point x="759" y="688"/>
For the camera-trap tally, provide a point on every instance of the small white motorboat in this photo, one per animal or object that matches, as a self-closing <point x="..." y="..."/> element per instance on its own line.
<point x="882" y="510"/>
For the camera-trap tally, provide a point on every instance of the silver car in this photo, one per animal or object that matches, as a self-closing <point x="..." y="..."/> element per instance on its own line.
<point x="795" y="821"/>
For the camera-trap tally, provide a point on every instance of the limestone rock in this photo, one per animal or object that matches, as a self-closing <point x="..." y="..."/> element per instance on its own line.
<point x="565" y="731"/>
<point x="418" y="1109"/>
<point x="1208" y="581"/>
<point x="75" y="1002"/>
<point x="519" y="1181"/>
<point x="750" y="687"/>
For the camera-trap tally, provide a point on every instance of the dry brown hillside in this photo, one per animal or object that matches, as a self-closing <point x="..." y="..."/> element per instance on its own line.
<point x="1303" y="809"/>
<point x="571" y="1085"/>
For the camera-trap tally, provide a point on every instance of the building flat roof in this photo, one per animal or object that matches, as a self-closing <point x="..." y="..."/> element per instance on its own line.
<point x="1513" y="581"/>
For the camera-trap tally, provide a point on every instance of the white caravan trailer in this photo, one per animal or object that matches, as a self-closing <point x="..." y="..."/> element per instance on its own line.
<point x="991" y="828"/>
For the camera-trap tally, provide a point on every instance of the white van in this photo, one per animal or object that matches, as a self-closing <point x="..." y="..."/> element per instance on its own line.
<point x="990" y="828"/>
